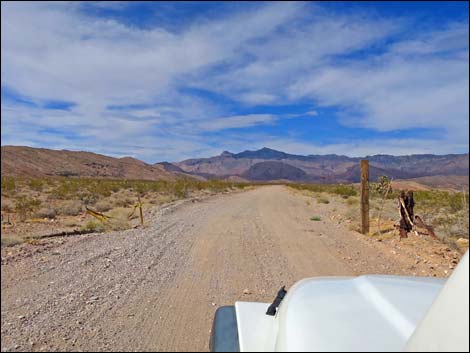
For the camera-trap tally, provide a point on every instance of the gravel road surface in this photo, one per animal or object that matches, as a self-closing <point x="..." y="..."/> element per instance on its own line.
<point x="157" y="288"/>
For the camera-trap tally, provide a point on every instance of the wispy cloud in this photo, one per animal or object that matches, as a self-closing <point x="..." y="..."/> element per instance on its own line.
<point x="66" y="69"/>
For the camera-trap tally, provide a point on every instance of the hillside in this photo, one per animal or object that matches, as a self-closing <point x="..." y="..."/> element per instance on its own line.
<point x="446" y="171"/>
<point x="271" y="170"/>
<point x="449" y="182"/>
<point x="325" y="168"/>
<point x="41" y="162"/>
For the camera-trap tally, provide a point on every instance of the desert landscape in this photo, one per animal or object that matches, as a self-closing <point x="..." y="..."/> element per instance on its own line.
<point x="170" y="170"/>
<point x="115" y="284"/>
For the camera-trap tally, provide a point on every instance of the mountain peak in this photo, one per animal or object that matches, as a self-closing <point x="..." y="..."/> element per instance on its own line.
<point x="263" y="153"/>
<point x="226" y="154"/>
<point x="265" y="149"/>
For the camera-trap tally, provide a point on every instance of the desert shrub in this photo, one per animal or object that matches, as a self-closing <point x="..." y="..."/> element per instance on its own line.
<point x="323" y="200"/>
<point x="352" y="201"/>
<point x="122" y="201"/>
<point x="435" y="200"/>
<point x="46" y="212"/>
<point x="119" y="220"/>
<point x="315" y="218"/>
<point x="87" y="197"/>
<point x="180" y="188"/>
<point x="103" y="206"/>
<point x="381" y="188"/>
<point x="8" y="185"/>
<point x="70" y="208"/>
<point x="24" y="206"/>
<point x="93" y="226"/>
<point x="63" y="191"/>
<point x="36" y="184"/>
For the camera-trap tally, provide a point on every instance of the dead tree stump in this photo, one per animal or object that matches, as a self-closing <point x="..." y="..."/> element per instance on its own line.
<point x="406" y="206"/>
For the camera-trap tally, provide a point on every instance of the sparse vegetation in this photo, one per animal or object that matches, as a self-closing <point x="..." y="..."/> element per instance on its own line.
<point x="93" y="226"/>
<point x="46" y="212"/>
<point x="64" y="198"/>
<point x="446" y="212"/>
<point x="382" y="188"/>
<point x="36" y="184"/>
<point x="323" y="200"/>
<point x="338" y="189"/>
<point x="25" y="206"/>
<point x="8" y="186"/>
<point x="315" y="218"/>
<point x="70" y="208"/>
<point x="103" y="206"/>
<point x="352" y="201"/>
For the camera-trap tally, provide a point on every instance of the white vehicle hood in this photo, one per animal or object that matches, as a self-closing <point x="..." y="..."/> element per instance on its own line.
<point x="366" y="313"/>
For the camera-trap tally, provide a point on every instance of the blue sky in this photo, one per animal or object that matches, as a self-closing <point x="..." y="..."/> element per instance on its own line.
<point x="169" y="81"/>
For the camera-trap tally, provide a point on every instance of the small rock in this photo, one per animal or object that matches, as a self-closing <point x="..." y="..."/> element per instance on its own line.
<point x="21" y="317"/>
<point x="246" y="291"/>
<point x="213" y="304"/>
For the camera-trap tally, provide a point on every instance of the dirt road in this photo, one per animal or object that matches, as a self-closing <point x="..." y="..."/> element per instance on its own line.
<point x="157" y="288"/>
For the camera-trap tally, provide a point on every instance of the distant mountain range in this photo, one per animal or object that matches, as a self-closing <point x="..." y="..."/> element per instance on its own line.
<point x="261" y="165"/>
<point x="267" y="164"/>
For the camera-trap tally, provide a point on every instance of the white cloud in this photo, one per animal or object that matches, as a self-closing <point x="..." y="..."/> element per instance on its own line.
<point x="238" y="121"/>
<point x="393" y="92"/>
<point x="312" y="113"/>
<point x="271" y="54"/>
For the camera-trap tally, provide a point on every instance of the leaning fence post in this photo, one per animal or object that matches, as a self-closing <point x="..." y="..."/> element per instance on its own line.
<point x="364" y="196"/>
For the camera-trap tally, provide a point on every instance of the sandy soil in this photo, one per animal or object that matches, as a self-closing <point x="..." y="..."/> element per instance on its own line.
<point x="157" y="288"/>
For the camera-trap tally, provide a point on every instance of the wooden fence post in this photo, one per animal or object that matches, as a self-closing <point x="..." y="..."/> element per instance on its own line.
<point x="141" y="214"/>
<point x="364" y="196"/>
